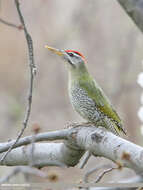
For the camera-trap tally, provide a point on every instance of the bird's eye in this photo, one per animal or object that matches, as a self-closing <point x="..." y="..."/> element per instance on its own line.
<point x="71" y="54"/>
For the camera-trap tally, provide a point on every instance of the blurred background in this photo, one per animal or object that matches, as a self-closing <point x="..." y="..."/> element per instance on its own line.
<point x="109" y="40"/>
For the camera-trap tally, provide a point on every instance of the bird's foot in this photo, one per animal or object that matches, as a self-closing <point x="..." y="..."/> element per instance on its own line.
<point x="77" y="124"/>
<point x="87" y="124"/>
<point x="73" y="124"/>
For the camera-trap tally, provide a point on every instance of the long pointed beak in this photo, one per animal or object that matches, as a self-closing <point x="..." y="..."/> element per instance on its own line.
<point x="62" y="53"/>
<point x="56" y="51"/>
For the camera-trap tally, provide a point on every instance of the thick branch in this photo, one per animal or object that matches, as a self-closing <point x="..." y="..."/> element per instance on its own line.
<point x="79" y="139"/>
<point x="106" y="144"/>
<point x="45" y="154"/>
<point x="49" y="136"/>
<point x="134" y="8"/>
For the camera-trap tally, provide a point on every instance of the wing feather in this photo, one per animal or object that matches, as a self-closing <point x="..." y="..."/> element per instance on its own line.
<point x="96" y="93"/>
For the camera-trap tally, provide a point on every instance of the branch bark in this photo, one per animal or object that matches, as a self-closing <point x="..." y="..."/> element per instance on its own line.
<point x="45" y="154"/>
<point x="48" y="136"/>
<point x="124" y="184"/>
<point x="134" y="8"/>
<point x="78" y="140"/>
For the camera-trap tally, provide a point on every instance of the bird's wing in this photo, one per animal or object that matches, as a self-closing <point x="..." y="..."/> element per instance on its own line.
<point x="96" y="93"/>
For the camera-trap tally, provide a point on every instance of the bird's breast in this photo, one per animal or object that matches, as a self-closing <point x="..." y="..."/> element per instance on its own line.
<point x="82" y="103"/>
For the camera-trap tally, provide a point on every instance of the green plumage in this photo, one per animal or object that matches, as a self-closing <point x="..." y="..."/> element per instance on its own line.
<point x="97" y="94"/>
<point x="86" y="96"/>
<point x="101" y="101"/>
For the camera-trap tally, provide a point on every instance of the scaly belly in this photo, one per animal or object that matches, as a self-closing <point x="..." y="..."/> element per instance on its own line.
<point x="83" y="104"/>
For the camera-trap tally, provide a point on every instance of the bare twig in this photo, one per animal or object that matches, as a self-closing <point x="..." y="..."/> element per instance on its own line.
<point x="19" y="27"/>
<point x="24" y="170"/>
<point x="45" y="154"/>
<point x="32" y="73"/>
<point x="134" y="9"/>
<point x="90" y="172"/>
<point x="105" y="172"/>
<point x="129" y="184"/>
<point x="84" y="159"/>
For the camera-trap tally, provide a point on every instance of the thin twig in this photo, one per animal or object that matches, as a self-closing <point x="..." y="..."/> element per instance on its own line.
<point x="105" y="172"/>
<point x="19" y="27"/>
<point x="88" y="173"/>
<point x="24" y="170"/>
<point x="32" y="73"/>
<point x="84" y="160"/>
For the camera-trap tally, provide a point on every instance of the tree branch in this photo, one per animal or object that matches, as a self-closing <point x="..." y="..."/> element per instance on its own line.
<point x="78" y="140"/>
<point x="24" y="170"/>
<point x="126" y="184"/>
<point x="19" y="27"/>
<point x="93" y="170"/>
<point x="48" y="136"/>
<point x="32" y="73"/>
<point x="45" y="154"/>
<point x="103" y="143"/>
<point x="104" y="172"/>
<point x="134" y="8"/>
<point x="84" y="160"/>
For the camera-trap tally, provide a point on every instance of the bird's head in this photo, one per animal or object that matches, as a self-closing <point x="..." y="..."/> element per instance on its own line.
<point x="74" y="59"/>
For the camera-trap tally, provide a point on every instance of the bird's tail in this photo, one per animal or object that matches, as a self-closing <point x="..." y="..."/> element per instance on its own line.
<point x="120" y="128"/>
<point x="114" y="127"/>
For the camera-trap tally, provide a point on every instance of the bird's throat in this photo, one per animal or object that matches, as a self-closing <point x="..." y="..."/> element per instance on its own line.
<point x="78" y="74"/>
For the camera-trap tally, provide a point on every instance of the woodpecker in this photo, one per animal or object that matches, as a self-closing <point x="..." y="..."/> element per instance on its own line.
<point x="86" y="96"/>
